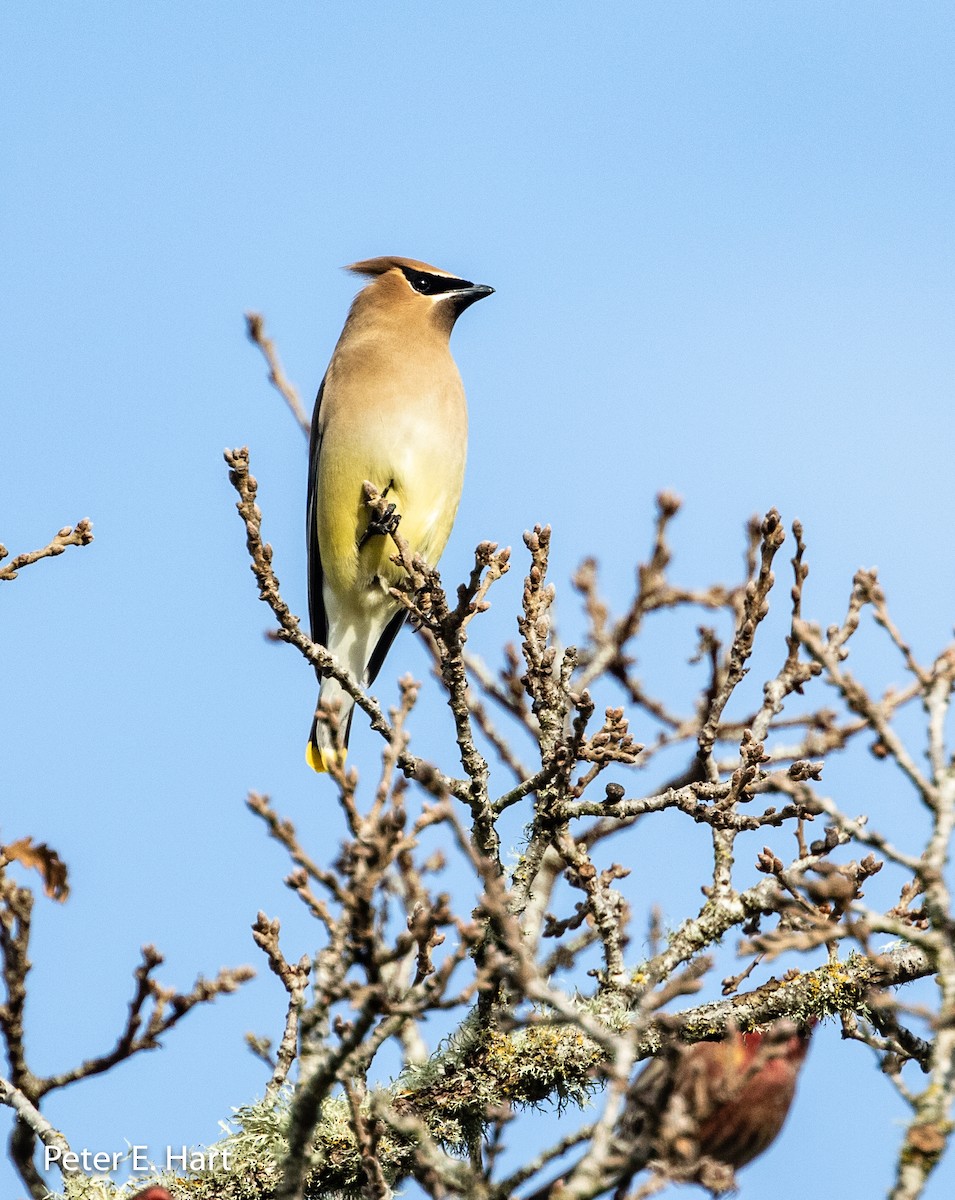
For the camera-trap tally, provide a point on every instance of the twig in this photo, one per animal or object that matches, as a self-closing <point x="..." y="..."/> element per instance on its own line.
<point x="79" y="535"/>
<point x="255" y="328"/>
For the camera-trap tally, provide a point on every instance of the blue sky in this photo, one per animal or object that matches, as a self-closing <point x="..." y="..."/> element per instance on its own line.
<point x="722" y="241"/>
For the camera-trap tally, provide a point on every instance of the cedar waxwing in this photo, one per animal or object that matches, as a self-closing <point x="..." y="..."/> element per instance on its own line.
<point x="391" y="411"/>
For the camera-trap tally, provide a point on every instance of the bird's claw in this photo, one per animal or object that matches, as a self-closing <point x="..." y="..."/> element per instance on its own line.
<point x="381" y="525"/>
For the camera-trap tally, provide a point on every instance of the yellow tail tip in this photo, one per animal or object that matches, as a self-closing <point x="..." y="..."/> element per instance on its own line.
<point x="321" y="760"/>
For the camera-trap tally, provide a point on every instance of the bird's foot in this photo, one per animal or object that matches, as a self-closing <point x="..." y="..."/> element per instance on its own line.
<point x="381" y="525"/>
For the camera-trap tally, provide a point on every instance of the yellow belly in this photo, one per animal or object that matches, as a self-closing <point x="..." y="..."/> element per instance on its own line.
<point x="423" y="479"/>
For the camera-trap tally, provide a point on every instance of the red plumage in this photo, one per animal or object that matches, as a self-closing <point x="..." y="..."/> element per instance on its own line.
<point x="720" y="1104"/>
<point x="739" y="1091"/>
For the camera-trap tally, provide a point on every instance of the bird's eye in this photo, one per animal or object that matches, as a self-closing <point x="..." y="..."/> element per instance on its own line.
<point x="426" y="284"/>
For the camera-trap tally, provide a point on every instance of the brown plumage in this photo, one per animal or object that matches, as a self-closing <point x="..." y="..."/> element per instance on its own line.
<point x="717" y="1105"/>
<point x="739" y="1091"/>
<point x="697" y="1113"/>
<point x="390" y="411"/>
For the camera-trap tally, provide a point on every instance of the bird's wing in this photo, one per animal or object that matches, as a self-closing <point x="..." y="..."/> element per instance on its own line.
<point x="384" y="644"/>
<point x="316" y="601"/>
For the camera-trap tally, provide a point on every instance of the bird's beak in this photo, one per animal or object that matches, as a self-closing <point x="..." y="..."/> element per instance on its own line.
<point x="470" y="295"/>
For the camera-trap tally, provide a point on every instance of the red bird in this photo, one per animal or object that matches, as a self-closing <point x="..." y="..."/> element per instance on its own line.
<point x="697" y="1113"/>
<point x="152" y="1193"/>
<point x="729" y="1101"/>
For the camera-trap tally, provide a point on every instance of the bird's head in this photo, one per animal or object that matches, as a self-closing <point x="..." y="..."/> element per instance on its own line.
<point x="783" y="1039"/>
<point x="416" y="291"/>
